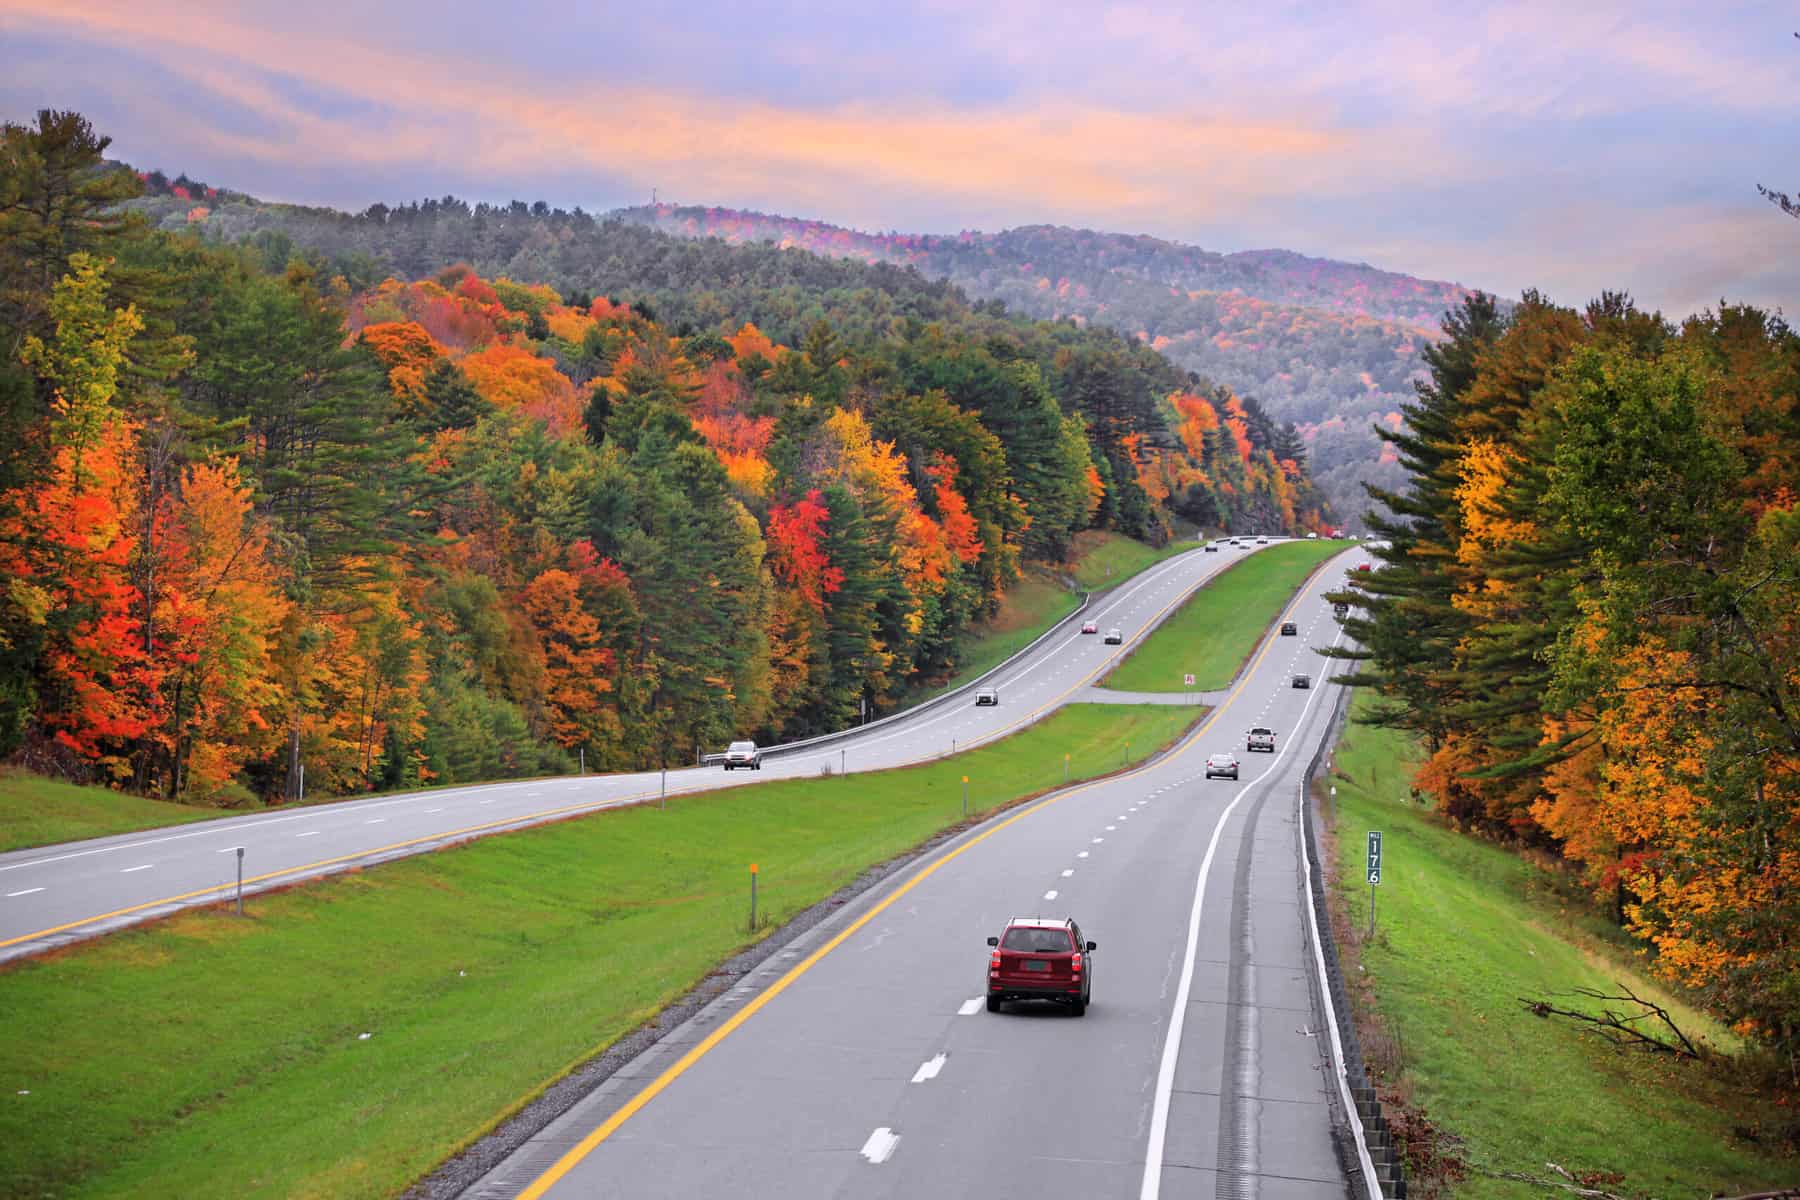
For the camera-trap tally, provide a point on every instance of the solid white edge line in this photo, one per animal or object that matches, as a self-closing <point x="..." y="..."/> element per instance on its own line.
<point x="1337" y="1049"/>
<point x="1165" y="1073"/>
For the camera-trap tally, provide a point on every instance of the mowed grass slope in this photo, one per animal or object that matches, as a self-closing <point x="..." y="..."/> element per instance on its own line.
<point x="212" y="1056"/>
<point x="1465" y="928"/>
<point x="1215" y="632"/>
<point x="1029" y="607"/>
<point x="35" y="811"/>
<point x="1101" y="558"/>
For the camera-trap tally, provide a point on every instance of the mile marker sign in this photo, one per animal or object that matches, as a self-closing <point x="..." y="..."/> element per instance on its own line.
<point x="1374" y="857"/>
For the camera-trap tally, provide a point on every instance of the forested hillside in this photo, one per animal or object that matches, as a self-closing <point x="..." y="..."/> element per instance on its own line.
<point x="1589" y="609"/>
<point x="295" y="497"/>
<point x="1332" y="347"/>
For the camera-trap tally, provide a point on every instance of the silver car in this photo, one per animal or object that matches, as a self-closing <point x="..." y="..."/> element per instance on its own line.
<point x="1222" y="766"/>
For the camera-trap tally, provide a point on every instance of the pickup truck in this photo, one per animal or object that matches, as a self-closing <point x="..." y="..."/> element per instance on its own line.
<point x="1260" y="739"/>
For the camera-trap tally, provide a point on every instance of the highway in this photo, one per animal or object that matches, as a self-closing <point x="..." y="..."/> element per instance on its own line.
<point x="56" y="894"/>
<point x="860" y="1060"/>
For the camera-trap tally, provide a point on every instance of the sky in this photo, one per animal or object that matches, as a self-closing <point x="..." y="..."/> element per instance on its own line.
<point x="1570" y="147"/>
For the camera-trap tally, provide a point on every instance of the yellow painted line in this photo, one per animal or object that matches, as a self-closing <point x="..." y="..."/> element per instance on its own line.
<point x="326" y="862"/>
<point x="574" y="1156"/>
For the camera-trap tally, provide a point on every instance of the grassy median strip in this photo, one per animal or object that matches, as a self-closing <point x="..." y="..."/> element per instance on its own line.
<point x="1213" y="634"/>
<point x="1463" y="930"/>
<point x="212" y="1056"/>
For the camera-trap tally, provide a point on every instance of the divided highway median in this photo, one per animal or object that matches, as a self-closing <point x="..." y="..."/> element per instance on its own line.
<point x="1213" y="635"/>
<point x="347" y="1036"/>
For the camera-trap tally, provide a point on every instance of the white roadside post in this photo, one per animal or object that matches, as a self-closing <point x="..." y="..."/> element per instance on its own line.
<point x="1374" y="874"/>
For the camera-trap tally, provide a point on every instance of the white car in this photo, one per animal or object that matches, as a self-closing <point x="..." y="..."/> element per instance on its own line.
<point x="1114" y="638"/>
<point x="986" y="697"/>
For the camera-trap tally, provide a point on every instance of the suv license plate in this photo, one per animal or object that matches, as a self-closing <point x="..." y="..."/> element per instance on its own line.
<point x="1037" y="964"/>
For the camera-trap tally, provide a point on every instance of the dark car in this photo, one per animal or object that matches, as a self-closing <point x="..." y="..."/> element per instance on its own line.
<point x="1221" y="766"/>
<point x="743" y="754"/>
<point x="1114" y="638"/>
<point x="1289" y="629"/>
<point x="1303" y="681"/>
<point x="1040" y="958"/>
<point x="1340" y="608"/>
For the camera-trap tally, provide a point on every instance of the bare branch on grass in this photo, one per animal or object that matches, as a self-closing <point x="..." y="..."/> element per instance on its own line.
<point x="1620" y="1027"/>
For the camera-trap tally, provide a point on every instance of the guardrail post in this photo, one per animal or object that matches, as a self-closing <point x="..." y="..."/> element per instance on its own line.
<point x="752" y="897"/>
<point x="965" y="797"/>
<point x="240" y="886"/>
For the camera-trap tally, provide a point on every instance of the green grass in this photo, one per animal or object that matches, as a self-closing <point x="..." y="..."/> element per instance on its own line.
<point x="1465" y="928"/>
<point x="35" y="811"/>
<point x="210" y="1056"/>
<point x="1029" y="607"/>
<point x="1213" y="634"/>
<point x="1100" y="559"/>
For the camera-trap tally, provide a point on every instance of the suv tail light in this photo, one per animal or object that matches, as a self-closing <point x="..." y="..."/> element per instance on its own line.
<point x="1075" y="963"/>
<point x="994" y="962"/>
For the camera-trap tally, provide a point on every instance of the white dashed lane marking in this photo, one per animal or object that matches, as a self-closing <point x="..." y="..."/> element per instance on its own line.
<point x="309" y="833"/>
<point x="1050" y="895"/>
<point x="929" y="1068"/>
<point x="880" y="1145"/>
<point x="969" y="1007"/>
<point x="1068" y="872"/>
<point x="129" y="870"/>
<point x="26" y="892"/>
<point x="1083" y="854"/>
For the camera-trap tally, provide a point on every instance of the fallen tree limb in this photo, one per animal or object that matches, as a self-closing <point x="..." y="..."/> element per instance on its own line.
<point x="1567" y="1183"/>
<point x="1619" y="1027"/>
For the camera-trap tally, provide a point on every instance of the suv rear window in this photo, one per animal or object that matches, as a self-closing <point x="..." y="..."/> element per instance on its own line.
<point x="1037" y="941"/>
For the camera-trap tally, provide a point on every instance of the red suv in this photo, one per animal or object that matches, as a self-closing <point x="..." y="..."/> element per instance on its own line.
<point x="1040" y="959"/>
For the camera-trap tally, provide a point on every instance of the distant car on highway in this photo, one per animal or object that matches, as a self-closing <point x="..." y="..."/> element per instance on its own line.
<point x="1340" y="609"/>
<point x="1221" y="766"/>
<point x="1039" y="958"/>
<point x="1312" y="537"/>
<point x="1364" y="567"/>
<point x="1303" y="681"/>
<point x="1212" y="547"/>
<point x="986" y="697"/>
<point x="743" y="754"/>
<point x="1114" y="638"/>
<point x="1289" y="629"/>
<point x="1260" y="738"/>
<point x="1262" y="541"/>
<point x="1090" y="627"/>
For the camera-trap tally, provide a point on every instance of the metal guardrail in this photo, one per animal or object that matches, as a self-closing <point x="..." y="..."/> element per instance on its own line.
<point x="1377" y="1157"/>
<point x="938" y="701"/>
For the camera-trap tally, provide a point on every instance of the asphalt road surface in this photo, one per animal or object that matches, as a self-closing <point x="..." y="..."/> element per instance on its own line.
<point x="55" y="894"/>
<point x="861" y="1061"/>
